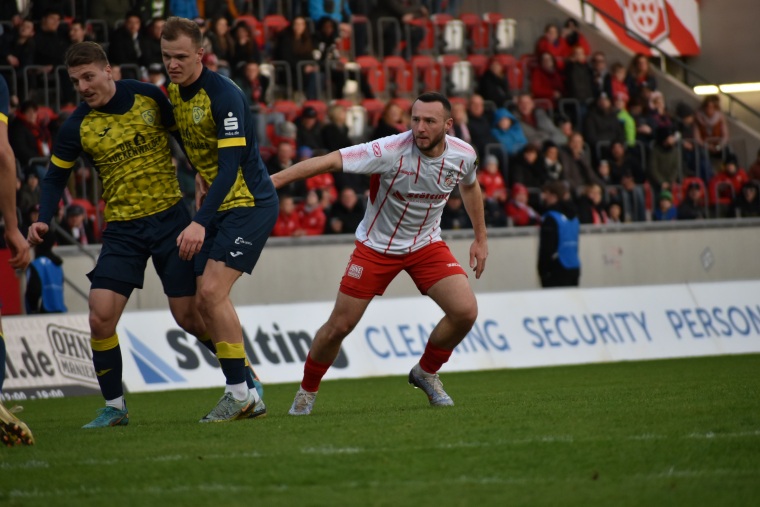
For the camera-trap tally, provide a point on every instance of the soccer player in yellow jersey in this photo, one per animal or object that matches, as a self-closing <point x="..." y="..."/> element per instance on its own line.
<point x="12" y="430"/>
<point x="122" y="129"/>
<point x="229" y="230"/>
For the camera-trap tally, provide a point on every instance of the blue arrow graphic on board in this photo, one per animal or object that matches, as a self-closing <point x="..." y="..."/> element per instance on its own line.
<point x="153" y="369"/>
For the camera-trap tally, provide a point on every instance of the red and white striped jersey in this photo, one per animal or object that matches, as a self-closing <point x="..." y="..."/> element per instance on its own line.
<point x="408" y="190"/>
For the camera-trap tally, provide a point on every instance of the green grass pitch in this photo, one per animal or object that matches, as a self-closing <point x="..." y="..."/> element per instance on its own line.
<point x="676" y="432"/>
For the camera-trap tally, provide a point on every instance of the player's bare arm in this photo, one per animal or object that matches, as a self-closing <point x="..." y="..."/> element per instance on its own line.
<point x="19" y="247"/>
<point x="473" y="204"/>
<point x="330" y="163"/>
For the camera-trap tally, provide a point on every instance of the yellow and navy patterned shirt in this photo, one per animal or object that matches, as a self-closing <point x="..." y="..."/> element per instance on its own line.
<point x="218" y="134"/>
<point x="127" y="142"/>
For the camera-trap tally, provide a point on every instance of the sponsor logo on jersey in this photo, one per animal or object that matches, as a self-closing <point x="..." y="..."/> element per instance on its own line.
<point x="198" y="114"/>
<point x="149" y="116"/>
<point x="376" y="149"/>
<point x="355" y="271"/>
<point x="231" y="122"/>
<point x="105" y="131"/>
<point x="398" y="196"/>
<point x="453" y="265"/>
<point x="415" y="196"/>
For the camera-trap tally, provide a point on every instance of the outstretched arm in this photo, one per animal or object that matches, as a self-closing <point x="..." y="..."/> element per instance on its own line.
<point x="473" y="203"/>
<point x="330" y="163"/>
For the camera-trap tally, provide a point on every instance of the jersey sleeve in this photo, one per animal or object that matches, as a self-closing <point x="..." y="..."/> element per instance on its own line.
<point x="68" y="146"/>
<point x="228" y="109"/>
<point x="371" y="158"/>
<point x="470" y="171"/>
<point x="5" y="100"/>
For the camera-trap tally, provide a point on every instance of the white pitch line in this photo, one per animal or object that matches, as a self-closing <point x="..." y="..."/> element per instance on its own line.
<point x="329" y="450"/>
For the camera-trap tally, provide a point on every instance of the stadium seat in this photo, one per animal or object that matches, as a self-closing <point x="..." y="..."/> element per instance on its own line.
<point x="479" y="63"/>
<point x="34" y="78"/>
<point x="478" y="36"/>
<point x="374" y="108"/>
<point x="458" y="75"/>
<point x="274" y="24"/>
<point x="282" y="82"/>
<point x="382" y="24"/>
<point x="319" y="106"/>
<point x="356" y="121"/>
<point x="398" y="75"/>
<point x="288" y="108"/>
<point x="404" y="103"/>
<point x="373" y="72"/>
<point x="514" y="70"/>
<point x="504" y="35"/>
<point x="427" y="45"/>
<point x="256" y="26"/>
<point x="426" y="74"/>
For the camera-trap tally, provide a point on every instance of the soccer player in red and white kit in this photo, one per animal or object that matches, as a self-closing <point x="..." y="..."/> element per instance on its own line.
<point x="412" y="175"/>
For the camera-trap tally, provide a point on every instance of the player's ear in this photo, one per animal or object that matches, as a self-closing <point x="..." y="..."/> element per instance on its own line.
<point x="200" y="55"/>
<point x="107" y="68"/>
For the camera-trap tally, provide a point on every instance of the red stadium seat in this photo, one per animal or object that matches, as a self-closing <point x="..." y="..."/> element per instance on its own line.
<point x="479" y="63"/>
<point x="374" y="109"/>
<point x="398" y="74"/>
<point x="319" y="106"/>
<point x="478" y="34"/>
<point x="290" y="109"/>
<point x="373" y="72"/>
<point x="274" y="24"/>
<point x="427" y="74"/>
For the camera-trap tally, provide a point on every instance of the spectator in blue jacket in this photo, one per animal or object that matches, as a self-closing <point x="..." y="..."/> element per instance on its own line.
<point x="507" y="130"/>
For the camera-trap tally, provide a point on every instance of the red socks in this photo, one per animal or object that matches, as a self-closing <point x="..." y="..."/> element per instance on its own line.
<point x="312" y="374"/>
<point x="433" y="358"/>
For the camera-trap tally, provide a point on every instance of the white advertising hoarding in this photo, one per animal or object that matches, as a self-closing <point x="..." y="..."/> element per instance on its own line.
<point x="49" y="355"/>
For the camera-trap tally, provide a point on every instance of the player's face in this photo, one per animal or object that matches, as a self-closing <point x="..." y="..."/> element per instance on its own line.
<point x="429" y="125"/>
<point x="94" y="83"/>
<point x="182" y="60"/>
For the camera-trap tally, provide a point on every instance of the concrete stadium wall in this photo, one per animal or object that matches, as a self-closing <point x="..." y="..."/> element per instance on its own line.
<point x="309" y="269"/>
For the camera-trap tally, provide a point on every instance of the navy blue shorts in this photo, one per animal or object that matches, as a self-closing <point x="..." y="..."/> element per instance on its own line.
<point x="237" y="237"/>
<point x="128" y="244"/>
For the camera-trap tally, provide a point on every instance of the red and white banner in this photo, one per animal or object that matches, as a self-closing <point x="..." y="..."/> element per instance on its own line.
<point x="673" y="25"/>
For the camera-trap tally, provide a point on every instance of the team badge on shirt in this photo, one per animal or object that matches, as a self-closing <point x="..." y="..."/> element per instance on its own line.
<point x="198" y="114"/>
<point x="450" y="179"/>
<point x="149" y="116"/>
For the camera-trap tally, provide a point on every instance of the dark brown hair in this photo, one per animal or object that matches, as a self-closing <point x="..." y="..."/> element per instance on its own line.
<point x="176" y="27"/>
<point x="85" y="53"/>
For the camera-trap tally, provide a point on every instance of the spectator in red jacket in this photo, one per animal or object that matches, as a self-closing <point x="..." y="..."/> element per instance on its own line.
<point x="728" y="183"/>
<point x="547" y="82"/>
<point x="574" y="38"/>
<point x="288" y="223"/>
<point x="518" y="209"/>
<point x="311" y="215"/>
<point x="551" y="42"/>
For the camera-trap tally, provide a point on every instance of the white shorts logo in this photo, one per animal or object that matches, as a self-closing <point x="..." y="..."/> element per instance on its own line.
<point x="355" y="271"/>
<point x="241" y="241"/>
<point x="230" y="123"/>
<point x="236" y="254"/>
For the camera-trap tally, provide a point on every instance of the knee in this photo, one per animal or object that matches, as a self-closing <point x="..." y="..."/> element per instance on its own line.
<point x="465" y="315"/>
<point x="101" y="326"/>
<point x="206" y="298"/>
<point x="190" y="320"/>
<point x="336" y="329"/>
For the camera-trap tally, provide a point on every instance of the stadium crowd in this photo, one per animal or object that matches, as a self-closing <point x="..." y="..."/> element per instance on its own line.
<point x="323" y="75"/>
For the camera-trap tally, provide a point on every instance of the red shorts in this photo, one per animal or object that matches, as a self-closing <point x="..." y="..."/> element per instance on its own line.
<point x="369" y="273"/>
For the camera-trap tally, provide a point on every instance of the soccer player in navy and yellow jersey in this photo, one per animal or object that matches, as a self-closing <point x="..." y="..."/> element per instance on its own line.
<point x="12" y="430"/>
<point x="229" y="230"/>
<point x="122" y="128"/>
